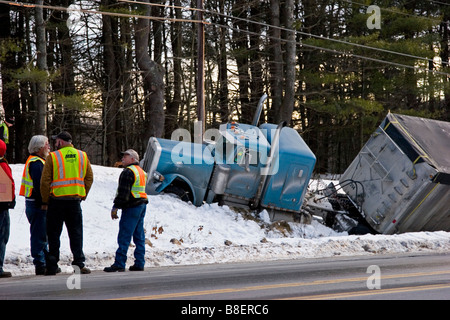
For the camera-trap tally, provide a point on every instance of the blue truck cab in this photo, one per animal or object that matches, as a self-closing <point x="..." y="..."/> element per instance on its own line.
<point x="240" y="165"/>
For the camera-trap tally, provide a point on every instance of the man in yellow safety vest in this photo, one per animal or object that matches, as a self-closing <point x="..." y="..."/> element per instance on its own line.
<point x="4" y="128"/>
<point x="132" y="199"/>
<point x="66" y="180"/>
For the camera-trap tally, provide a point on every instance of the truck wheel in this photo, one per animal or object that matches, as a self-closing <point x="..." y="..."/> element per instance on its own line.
<point x="177" y="192"/>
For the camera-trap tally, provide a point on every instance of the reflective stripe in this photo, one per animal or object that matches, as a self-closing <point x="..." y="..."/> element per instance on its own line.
<point x="60" y="164"/>
<point x="26" y="188"/>
<point x="67" y="182"/>
<point x="5" y="132"/>
<point x="80" y="154"/>
<point x="69" y="170"/>
<point x="140" y="179"/>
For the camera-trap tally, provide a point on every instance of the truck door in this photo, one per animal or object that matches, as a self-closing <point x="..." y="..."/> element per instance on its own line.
<point x="245" y="174"/>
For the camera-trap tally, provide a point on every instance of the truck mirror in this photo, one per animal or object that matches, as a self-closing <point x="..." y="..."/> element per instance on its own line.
<point x="243" y="158"/>
<point x="247" y="160"/>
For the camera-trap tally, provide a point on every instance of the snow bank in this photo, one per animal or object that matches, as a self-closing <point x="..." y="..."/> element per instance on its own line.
<point x="179" y="233"/>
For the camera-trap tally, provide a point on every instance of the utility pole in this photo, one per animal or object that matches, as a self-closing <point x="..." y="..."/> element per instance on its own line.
<point x="41" y="50"/>
<point x="201" y="69"/>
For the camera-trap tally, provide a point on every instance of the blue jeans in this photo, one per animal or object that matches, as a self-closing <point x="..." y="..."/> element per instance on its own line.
<point x="131" y="226"/>
<point x="4" y="235"/>
<point x="38" y="234"/>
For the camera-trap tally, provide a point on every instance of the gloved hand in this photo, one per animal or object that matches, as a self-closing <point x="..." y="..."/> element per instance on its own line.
<point x="114" y="215"/>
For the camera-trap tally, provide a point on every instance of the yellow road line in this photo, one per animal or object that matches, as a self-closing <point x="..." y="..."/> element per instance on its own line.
<point x="342" y="295"/>
<point x="277" y="286"/>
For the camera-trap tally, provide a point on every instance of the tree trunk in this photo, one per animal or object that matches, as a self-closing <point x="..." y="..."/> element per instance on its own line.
<point x="223" y="69"/>
<point x="8" y="65"/>
<point x="111" y="96"/>
<point x="256" y="69"/>
<point x="152" y="74"/>
<point x="289" y="95"/>
<point x="60" y="57"/>
<point x="276" y="69"/>
<point x="445" y="57"/>
<point x="174" y="105"/>
<point x="41" y="62"/>
<point x="240" y="43"/>
<point x="126" y="65"/>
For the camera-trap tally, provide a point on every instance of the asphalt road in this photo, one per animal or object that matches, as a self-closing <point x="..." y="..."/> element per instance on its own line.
<point x="387" y="277"/>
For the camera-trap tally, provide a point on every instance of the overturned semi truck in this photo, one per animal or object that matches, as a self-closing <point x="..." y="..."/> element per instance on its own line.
<point x="249" y="166"/>
<point x="399" y="182"/>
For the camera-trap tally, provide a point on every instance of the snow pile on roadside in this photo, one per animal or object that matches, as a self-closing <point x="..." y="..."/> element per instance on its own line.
<point x="179" y="233"/>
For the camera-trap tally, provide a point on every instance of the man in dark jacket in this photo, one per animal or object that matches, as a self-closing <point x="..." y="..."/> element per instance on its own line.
<point x="132" y="199"/>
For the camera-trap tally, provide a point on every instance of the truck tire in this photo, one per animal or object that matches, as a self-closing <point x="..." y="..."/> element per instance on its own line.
<point x="178" y="192"/>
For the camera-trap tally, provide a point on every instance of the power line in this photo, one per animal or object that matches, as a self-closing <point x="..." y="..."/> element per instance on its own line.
<point x="114" y="14"/>
<point x="288" y="30"/>
<point x="313" y="36"/>
<point x="248" y="32"/>
<point x="204" y="22"/>
<point x="348" y="53"/>
<point x="439" y="2"/>
<point x="393" y="11"/>
<point x="162" y="5"/>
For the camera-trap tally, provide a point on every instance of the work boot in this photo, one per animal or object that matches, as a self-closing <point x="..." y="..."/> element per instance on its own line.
<point x="52" y="271"/>
<point x="5" y="274"/>
<point x="135" y="268"/>
<point x="39" y="271"/>
<point x="85" y="270"/>
<point x="114" y="268"/>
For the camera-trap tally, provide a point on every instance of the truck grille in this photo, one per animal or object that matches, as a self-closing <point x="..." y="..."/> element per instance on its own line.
<point x="151" y="157"/>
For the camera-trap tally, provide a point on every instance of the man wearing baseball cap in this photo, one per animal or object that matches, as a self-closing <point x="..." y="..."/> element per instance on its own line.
<point x="132" y="199"/>
<point x="62" y="191"/>
<point x="63" y="135"/>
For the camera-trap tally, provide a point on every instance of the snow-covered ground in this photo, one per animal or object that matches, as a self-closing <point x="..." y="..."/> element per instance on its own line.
<point x="179" y="233"/>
